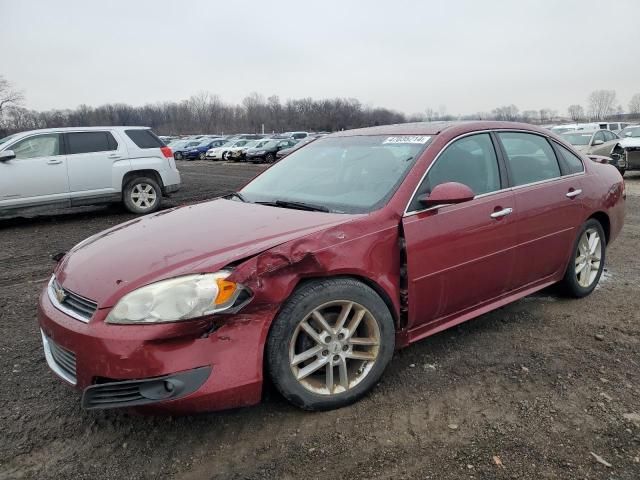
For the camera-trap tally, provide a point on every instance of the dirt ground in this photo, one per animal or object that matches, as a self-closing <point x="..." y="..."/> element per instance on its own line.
<point x="540" y="389"/>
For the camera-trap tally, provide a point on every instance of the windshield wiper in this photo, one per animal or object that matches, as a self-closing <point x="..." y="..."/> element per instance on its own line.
<point x="296" y="205"/>
<point x="238" y="195"/>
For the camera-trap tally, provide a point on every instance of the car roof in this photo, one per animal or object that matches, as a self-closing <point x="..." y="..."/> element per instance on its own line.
<point x="435" y="128"/>
<point x="81" y="129"/>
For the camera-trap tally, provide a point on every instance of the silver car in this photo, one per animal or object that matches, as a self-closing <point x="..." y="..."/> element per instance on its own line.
<point x="66" y="167"/>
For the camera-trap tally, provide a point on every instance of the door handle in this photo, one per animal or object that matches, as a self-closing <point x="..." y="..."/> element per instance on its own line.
<point x="54" y="162"/>
<point x="502" y="213"/>
<point x="574" y="193"/>
<point x="114" y="155"/>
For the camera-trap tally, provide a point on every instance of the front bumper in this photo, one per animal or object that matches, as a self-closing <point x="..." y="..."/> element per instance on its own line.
<point x="633" y="158"/>
<point x="94" y="354"/>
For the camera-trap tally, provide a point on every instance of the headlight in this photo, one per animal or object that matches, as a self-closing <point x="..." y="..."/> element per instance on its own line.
<point x="180" y="298"/>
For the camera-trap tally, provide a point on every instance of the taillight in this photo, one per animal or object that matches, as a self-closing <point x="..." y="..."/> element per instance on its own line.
<point x="166" y="151"/>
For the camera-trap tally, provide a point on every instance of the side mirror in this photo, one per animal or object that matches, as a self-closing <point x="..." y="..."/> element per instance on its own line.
<point x="7" y="155"/>
<point x="597" y="142"/>
<point x="447" y="193"/>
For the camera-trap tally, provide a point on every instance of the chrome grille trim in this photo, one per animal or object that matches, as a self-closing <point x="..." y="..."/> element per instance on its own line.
<point x="73" y="304"/>
<point x="60" y="360"/>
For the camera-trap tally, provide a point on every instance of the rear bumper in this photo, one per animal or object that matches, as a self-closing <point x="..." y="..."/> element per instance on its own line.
<point x="147" y="356"/>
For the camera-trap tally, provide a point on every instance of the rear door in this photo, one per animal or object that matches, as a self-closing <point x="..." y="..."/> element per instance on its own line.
<point x="38" y="174"/>
<point x="548" y="206"/>
<point x="460" y="256"/>
<point x="91" y="157"/>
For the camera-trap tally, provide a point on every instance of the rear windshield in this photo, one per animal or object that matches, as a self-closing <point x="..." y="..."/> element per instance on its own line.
<point x="144" y="138"/>
<point x="577" y="138"/>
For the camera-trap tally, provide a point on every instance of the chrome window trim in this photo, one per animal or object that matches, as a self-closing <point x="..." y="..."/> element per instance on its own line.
<point x="53" y="365"/>
<point x="408" y="213"/>
<point x="54" y="300"/>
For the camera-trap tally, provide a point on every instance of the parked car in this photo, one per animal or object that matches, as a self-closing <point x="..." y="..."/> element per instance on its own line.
<point x="200" y="150"/>
<point x="572" y="127"/>
<point x="180" y="147"/>
<point x="630" y="143"/>
<point x="237" y="153"/>
<point x="362" y="243"/>
<point x="67" y="167"/>
<point x="286" y="151"/>
<point x="296" y="135"/>
<point x="614" y="127"/>
<point x="599" y="142"/>
<point x="221" y="152"/>
<point x="267" y="151"/>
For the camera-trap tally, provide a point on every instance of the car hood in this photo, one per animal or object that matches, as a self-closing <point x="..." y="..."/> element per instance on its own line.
<point x="198" y="238"/>
<point x="630" y="142"/>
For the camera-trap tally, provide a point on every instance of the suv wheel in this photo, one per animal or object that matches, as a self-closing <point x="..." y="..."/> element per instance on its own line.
<point x="142" y="195"/>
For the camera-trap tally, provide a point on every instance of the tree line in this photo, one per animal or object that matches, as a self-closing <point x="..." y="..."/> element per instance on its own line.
<point x="207" y="113"/>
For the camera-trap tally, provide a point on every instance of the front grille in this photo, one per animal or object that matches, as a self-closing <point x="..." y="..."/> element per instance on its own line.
<point x="129" y="393"/>
<point x="59" y="359"/>
<point x="71" y="303"/>
<point x="79" y="304"/>
<point x="114" y="394"/>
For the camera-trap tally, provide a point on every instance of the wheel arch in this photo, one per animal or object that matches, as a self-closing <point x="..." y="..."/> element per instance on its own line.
<point x="142" y="173"/>
<point x="375" y="286"/>
<point x="603" y="219"/>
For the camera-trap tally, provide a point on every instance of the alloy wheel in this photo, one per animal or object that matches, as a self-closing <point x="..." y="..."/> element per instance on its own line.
<point x="334" y="347"/>
<point x="143" y="196"/>
<point x="588" y="257"/>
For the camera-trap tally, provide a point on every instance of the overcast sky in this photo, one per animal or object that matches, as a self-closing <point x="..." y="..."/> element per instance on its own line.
<point x="465" y="55"/>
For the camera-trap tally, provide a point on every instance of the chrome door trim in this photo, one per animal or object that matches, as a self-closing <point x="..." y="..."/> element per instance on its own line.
<point x="574" y="193"/>
<point x="408" y="213"/>
<point x="502" y="213"/>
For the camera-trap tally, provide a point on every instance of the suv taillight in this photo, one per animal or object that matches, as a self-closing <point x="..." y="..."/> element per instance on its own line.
<point x="166" y="151"/>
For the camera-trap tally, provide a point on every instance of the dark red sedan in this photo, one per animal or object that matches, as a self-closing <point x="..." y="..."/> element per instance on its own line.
<point x="358" y="244"/>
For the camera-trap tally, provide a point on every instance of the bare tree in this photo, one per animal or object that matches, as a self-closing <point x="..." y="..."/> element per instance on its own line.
<point x="9" y="95"/>
<point x="576" y="112"/>
<point x="508" y="113"/>
<point x="602" y="103"/>
<point x="634" y="104"/>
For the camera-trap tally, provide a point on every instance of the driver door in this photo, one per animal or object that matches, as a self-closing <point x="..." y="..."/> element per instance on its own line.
<point x="38" y="173"/>
<point x="460" y="257"/>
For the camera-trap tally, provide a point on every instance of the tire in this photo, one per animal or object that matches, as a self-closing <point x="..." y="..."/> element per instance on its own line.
<point x="202" y="156"/>
<point x="224" y="156"/>
<point x="134" y="197"/>
<point x="177" y="156"/>
<point x="288" y="339"/>
<point x="579" y="280"/>
<point x="270" y="158"/>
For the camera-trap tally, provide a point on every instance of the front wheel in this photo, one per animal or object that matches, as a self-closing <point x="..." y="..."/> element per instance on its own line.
<point x="142" y="195"/>
<point x="330" y="344"/>
<point x="202" y="156"/>
<point x="270" y="158"/>
<point x="587" y="260"/>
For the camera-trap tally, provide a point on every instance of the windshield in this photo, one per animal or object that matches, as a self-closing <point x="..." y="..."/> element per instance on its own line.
<point x="577" y="138"/>
<point x="251" y="144"/>
<point x="633" y="132"/>
<point x="6" y="139"/>
<point x="343" y="174"/>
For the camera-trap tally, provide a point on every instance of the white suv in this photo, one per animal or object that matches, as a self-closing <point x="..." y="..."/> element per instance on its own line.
<point x="84" y="166"/>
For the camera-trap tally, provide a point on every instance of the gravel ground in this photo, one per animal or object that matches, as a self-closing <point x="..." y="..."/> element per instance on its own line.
<point x="544" y="388"/>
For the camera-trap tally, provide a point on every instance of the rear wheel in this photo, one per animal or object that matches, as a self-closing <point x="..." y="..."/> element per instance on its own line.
<point x="330" y="344"/>
<point x="177" y="156"/>
<point x="142" y="195"/>
<point x="202" y="156"/>
<point x="587" y="260"/>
